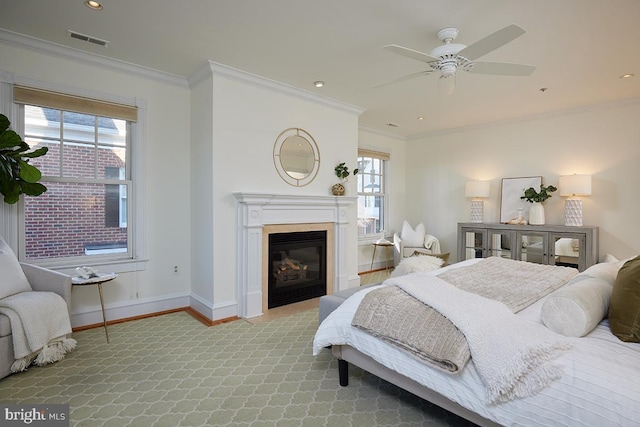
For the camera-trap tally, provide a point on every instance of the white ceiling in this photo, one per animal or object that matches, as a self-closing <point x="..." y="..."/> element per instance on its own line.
<point x="581" y="47"/>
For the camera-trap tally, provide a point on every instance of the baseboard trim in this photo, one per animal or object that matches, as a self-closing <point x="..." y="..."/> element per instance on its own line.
<point x="196" y="315"/>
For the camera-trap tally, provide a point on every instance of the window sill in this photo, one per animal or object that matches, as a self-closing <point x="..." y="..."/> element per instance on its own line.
<point x="115" y="266"/>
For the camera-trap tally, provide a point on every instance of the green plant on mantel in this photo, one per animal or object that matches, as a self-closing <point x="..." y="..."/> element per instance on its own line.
<point x="342" y="171"/>
<point x="531" y="195"/>
<point x="17" y="176"/>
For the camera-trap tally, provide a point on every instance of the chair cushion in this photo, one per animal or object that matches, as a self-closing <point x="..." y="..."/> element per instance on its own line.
<point x="13" y="279"/>
<point x="624" y="309"/>
<point x="413" y="238"/>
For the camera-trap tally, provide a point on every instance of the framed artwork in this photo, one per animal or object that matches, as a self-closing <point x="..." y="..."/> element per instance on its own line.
<point x="512" y="190"/>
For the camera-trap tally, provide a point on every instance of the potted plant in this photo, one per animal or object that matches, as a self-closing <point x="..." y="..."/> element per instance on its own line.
<point x="17" y="176"/>
<point x="536" y="213"/>
<point x="342" y="172"/>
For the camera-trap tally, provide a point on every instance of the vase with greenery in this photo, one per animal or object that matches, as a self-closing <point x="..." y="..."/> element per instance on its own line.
<point x="536" y="213"/>
<point x="342" y="172"/>
<point x="17" y="176"/>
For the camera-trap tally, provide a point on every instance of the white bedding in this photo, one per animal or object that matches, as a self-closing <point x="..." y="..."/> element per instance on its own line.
<point x="600" y="385"/>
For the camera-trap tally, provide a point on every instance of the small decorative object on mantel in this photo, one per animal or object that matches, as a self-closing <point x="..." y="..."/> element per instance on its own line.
<point x="536" y="213"/>
<point x="342" y="172"/>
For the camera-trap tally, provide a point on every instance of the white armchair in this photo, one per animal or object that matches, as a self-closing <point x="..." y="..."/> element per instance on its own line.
<point x="20" y="278"/>
<point x="409" y="241"/>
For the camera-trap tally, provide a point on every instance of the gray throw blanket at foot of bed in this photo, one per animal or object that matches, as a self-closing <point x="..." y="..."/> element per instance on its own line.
<point x="443" y="325"/>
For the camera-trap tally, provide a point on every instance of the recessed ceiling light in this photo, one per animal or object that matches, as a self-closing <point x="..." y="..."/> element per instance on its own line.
<point x="93" y="5"/>
<point x="420" y="118"/>
<point x="318" y="83"/>
<point x="626" y="76"/>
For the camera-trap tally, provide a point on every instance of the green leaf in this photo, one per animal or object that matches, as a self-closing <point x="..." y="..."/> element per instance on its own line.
<point x="29" y="173"/>
<point x="10" y="139"/>
<point x="37" y="153"/>
<point x="4" y="123"/>
<point x="32" y="188"/>
<point x="12" y="193"/>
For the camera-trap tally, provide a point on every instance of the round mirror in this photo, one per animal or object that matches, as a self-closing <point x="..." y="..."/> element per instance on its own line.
<point x="296" y="157"/>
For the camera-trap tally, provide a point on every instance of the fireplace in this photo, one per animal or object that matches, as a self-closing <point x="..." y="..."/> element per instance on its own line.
<point x="260" y="215"/>
<point x="297" y="267"/>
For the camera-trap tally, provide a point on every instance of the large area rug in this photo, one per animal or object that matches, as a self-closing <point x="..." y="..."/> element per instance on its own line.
<point x="171" y="370"/>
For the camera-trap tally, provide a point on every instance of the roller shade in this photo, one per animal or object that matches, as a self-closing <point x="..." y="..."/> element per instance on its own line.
<point x="59" y="101"/>
<point x="371" y="153"/>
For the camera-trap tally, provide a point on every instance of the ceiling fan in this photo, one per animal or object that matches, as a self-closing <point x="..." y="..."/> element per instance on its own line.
<point x="450" y="57"/>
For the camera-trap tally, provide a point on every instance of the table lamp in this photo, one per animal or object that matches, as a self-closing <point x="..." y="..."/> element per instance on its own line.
<point x="572" y="186"/>
<point x="477" y="190"/>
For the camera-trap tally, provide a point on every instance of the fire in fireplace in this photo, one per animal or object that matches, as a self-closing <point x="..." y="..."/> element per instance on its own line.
<point x="297" y="267"/>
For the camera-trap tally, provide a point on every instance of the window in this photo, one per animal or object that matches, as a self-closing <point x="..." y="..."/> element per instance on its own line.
<point x="372" y="193"/>
<point x="85" y="211"/>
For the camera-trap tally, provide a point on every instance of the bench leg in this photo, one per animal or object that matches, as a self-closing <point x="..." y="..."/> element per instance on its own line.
<point x="343" y="372"/>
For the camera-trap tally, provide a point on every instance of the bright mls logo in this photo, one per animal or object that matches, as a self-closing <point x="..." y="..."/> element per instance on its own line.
<point x="54" y="415"/>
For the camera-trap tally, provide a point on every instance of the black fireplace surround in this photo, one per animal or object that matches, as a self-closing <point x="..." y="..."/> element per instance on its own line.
<point x="297" y="267"/>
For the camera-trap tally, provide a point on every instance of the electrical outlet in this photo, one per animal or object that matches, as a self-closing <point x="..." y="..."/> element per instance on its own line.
<point x="175" y="269"/>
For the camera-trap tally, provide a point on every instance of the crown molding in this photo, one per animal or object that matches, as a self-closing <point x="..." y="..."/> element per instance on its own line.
<point x="366" y="128"/>
<point x="211" y="68"/>
<point x="88" y="58"/>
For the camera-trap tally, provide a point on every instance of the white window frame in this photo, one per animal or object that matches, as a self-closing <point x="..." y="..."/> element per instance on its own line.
<point x="12" y="216"/>
<point x="384" y="195"/>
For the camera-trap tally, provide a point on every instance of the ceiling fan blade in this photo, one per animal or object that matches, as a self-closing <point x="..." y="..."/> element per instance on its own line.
<point x="492" y="42"/>
<point x="502" y="69"/>
<point x="410" y="76"/>
<point x="410" y="53"/>
<point x="446" y="85"/>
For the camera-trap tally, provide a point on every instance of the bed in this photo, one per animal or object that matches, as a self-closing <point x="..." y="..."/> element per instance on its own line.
<point x="599" y="385"/>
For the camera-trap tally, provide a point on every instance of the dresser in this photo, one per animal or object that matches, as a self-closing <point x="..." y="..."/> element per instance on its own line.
<point x="544" y="244"/>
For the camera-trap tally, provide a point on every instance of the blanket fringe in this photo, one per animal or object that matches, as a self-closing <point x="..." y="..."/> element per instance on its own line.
<point x="54" y="351"/>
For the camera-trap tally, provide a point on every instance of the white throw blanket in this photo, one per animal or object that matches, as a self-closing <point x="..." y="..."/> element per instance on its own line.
<point x="39" y="325"/>
<point x="512" y="355"/>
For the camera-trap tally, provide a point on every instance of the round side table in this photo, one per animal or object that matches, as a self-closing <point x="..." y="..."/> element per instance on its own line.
<point x="98" y="280"/>
<point x="387" y="245"/>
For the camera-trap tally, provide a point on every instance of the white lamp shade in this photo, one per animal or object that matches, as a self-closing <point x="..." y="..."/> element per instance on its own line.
<point x="477" y="189"/>
<point x="575" y="185"/>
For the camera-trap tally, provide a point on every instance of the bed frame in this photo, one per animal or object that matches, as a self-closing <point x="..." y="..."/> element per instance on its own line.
<point x="347" y="354"/>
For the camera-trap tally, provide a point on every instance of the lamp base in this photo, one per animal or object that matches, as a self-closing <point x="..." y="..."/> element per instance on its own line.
<point x="477" y="211"/>
<point x="573" y="212"/>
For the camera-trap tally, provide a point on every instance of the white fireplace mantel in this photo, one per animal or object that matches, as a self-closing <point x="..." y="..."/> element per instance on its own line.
<point x="257" y="210"/>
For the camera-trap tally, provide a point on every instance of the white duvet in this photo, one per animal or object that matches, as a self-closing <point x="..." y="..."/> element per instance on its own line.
<point x="600" y="385"/>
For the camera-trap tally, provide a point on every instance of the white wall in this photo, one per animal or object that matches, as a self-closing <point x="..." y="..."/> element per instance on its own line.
<point x="167" y="180"/>
<point x="248" y="113"/>
<point x="603" y="141"/>
<point x="374" y="140"/>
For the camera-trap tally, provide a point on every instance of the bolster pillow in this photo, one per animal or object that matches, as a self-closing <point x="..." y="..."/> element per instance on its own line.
<point x="576" y="309"/>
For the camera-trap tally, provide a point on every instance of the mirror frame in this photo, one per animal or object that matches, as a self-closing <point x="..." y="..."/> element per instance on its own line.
<point x="277" y="157"/>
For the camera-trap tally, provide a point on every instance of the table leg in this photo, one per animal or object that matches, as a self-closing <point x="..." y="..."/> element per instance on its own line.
<point x="373" y="257"/>
<point x="104" y="319"/>
<point x="389" y="258"/>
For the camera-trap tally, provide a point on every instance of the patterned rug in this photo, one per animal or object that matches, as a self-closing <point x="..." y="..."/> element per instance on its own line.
<point x="171" y="370"/>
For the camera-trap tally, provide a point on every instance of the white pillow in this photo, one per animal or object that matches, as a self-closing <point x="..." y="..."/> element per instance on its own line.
<point x="416" y="264"/>
<point x="577" y="308"/>
<point x="607" y="271"/>
<point x="413" y="238"/>
<point x="13" y="279"/>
